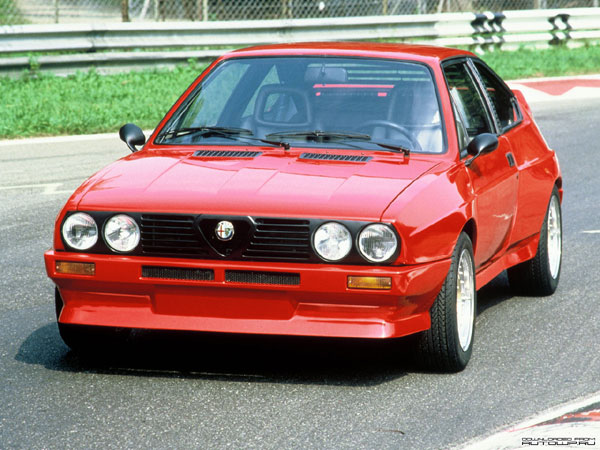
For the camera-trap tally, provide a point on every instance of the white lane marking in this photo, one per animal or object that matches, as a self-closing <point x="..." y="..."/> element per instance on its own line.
<point x="511" y="436"/>
<point x="48" y="188"/>
<point x="60" y="139"/>
<point x="57" y="139"/>
<point x="591" y="231"/>
<point x="4" y="228"/>
<point x="560" y="411"/>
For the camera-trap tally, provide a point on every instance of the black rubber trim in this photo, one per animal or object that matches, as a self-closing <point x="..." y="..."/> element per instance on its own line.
<point x="254" y="277"/>
<point x="178" y="273"/>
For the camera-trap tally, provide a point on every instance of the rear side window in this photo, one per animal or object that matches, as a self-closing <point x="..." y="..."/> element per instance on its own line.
<point x="467" y="100"/>
<point x="500" y="98"/>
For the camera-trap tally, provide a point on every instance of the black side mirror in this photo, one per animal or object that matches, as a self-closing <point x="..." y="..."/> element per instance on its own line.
<point x="480" y="145"/>
<point x="132" y="135"/>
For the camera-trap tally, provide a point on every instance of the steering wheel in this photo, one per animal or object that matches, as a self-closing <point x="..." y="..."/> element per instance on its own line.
<point x="371" y="124"/>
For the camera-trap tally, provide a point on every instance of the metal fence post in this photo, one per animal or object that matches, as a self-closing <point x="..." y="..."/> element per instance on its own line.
<point x="286" y="9"/>
<point x="125" y="10"/>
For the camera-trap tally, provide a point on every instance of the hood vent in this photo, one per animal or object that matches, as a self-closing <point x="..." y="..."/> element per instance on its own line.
<point x="330" y="157"/>
<point x="226" y="154"/>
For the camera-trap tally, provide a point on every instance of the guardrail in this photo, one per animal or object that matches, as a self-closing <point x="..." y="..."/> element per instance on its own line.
<point x="103" y="45"/>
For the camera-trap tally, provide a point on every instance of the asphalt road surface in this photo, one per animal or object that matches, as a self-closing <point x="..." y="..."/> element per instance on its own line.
<point x="177" y="390"/>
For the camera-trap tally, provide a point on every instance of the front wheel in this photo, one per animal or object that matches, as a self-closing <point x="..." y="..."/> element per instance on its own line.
<point x="448" y="344"/>
<point x="539" y="276"/>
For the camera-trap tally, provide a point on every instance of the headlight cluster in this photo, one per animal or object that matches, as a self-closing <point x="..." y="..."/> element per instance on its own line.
<point x="332" y="241"/>
<point x="348" y="241"/>
<point x="376" y="243"/>
<point x="80" y="231"/>
<point x="121" y="232"/>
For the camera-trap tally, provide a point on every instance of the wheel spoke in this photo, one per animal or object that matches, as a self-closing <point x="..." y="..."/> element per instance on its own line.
<point x="554" y="242"/>
<point x="465" y="304"/>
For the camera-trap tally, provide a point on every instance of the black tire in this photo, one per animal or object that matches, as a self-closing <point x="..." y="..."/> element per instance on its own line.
<point x="89" y="339"/>
<point x="539" y="277"/>
<point x="440" y="348"/>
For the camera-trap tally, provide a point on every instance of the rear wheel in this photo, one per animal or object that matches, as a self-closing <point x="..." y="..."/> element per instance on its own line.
<point x="85" y="338"/>
<point x="539" y="276"/>
<point x="448" y="344"/>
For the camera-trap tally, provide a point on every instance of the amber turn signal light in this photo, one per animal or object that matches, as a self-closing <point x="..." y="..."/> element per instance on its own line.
<point x="355" y="282"/>
<point x="75" y="268"/>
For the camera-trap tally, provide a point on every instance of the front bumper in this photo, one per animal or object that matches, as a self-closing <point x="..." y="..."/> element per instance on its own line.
<point x="320" y="305"/>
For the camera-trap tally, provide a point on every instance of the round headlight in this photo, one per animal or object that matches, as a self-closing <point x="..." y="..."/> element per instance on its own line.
<point x="332" y="241"/>
<point x="121" y="233"/>
<point x="80" y="231"/>
<point x="377" y="242"/>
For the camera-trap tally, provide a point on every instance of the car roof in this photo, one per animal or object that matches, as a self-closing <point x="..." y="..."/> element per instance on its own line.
<point x="423" y="53"/>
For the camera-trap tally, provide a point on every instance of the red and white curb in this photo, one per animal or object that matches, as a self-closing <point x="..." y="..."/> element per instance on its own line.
<point x="576" y="424"/>
<point x="559" y="88"/>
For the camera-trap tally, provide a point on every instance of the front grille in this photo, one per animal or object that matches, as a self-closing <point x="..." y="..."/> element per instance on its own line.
<point x="166" y="234"/>
<point x="195" y="236"/>
<point x="332" y="157"/>
<point x="277" y="239"/>
<point x="178" y="273"/>
<point x="226" y="154"/>
<point x="253" y="277"/>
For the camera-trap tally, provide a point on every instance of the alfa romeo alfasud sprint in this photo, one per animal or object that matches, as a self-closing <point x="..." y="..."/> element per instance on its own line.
<point x="324" y="189"/>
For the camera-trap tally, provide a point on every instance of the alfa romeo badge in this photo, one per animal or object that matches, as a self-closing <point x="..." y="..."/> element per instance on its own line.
<point x="224" y="230"/>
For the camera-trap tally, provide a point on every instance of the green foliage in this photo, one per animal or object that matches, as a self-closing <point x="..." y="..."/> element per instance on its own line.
<point x="9" y="14"/>
<point x="39" y="104"/>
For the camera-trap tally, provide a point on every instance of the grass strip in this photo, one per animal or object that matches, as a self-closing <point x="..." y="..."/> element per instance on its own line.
<point x="43" y="104"/>
<point x="46" y="105"/>
<point x="556" y="61"/>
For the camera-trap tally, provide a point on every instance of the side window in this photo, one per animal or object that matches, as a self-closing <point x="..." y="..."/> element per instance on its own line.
<point x="500" y="97"/>
<point x="467" y="100"/>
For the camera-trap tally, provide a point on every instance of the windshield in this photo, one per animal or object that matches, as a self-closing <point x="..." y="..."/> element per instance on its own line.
<point x="348" y="102"/>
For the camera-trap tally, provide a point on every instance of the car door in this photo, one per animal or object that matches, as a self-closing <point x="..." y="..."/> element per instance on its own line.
<point x="493" y="176"/>
<point x="527" y="153"/>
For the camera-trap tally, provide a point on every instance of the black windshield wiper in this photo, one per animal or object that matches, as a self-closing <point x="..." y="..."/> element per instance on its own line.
<point x="229" y="133"/>
<point x="320" y="136"/>
<point x="207" y="131"/>
<point x="285" y="145"/>
<point x="393" y="148"/>
<point x="323" y="136"/>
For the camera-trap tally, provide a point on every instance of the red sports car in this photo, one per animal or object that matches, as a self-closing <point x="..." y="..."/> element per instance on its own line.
<point x="323" y="189"/>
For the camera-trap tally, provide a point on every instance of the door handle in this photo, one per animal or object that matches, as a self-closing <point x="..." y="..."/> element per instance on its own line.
<point x="511" y="159"/>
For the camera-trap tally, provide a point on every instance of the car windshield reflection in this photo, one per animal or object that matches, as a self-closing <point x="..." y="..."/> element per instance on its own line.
<point x="394" y="102"/>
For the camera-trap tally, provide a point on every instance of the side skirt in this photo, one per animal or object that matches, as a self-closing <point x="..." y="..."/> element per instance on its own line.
<point x="518" y="253"/>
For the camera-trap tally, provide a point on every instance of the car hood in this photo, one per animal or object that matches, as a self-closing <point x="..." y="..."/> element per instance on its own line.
<point x="274" y="184"/>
